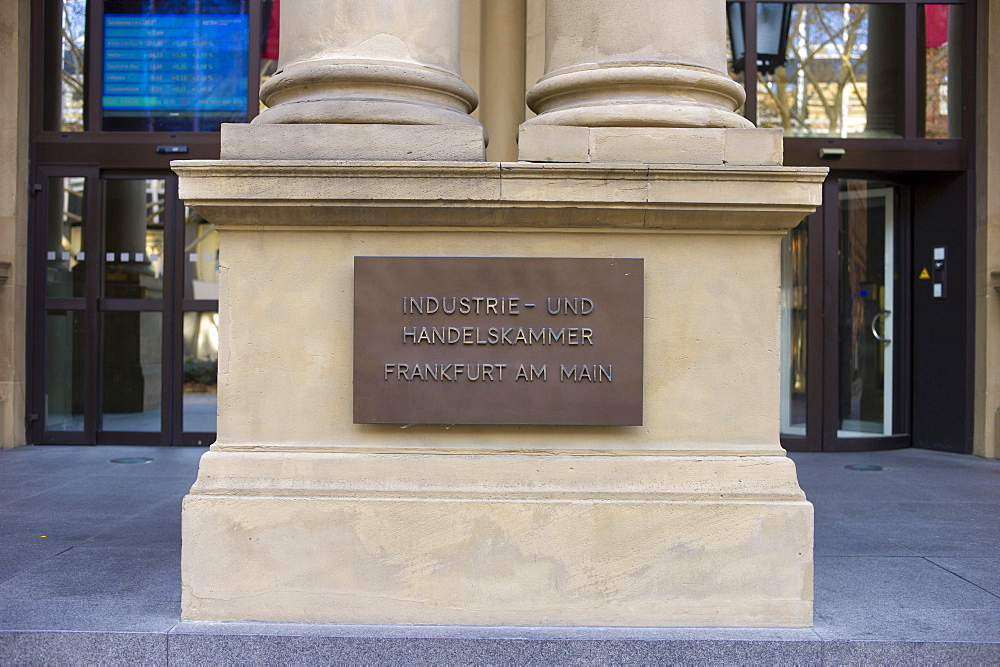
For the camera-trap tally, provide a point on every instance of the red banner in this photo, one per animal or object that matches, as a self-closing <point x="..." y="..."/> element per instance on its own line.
<point x="935" y="25"/>
<point x="269" y="49"/>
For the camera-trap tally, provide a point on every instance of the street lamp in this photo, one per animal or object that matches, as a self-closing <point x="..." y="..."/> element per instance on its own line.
<point x="773" y="19"/>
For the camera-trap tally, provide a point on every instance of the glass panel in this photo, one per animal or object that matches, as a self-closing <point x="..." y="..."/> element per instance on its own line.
<point x="64" y="354"/>
<point x="201" y="366"/>
<point x="174" y="65"/>
<point x="942" y="54"/>
<point x="201" y="257"/>
<point x="794" y="329"/>
<point x="133" y="238"/>
<point x="132" y="351"/>
<point x="844" y="75"/>
<point x="64" y="65"/>
<point x="867" y="287"/>
<point x="64" y="254"/>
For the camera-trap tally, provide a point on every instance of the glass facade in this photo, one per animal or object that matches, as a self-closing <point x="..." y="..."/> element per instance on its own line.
<point x="852" y="71"/>
<point x="877" y="77"/>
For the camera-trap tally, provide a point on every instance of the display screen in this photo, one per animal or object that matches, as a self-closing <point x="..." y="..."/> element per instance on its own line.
<point x="174" y="65"/>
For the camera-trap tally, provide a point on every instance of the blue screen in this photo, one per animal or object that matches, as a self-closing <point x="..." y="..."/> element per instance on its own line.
<point x="174" y="71"/>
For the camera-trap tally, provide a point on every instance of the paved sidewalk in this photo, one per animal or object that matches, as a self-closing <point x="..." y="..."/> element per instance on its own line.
<point x="907" y="571"/>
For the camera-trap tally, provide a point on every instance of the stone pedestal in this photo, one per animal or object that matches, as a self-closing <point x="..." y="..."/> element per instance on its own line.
<point x="693" y="518"/>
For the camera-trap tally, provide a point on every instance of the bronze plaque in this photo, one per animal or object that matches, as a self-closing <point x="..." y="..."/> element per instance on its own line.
<point x="497" y="340"/>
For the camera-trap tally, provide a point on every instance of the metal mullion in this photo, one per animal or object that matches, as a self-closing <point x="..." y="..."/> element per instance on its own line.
<point x="815" y="350"/>
<point x="881" y="154"/>
<point x="65" y="303"/>
<point x="41" y="44"/>
<point x="830" y="343"/>
<point x="141" y="438"/>
<point x="37" y="305"/>
<point x="35" y="324"/>
<point x="92" y="76"/>
<point x="911" y="95"/>
<point x="750" y="59"/>
<point x="970" y="19"/>
<point x="200" y="305"/>
<point x="173" y="319"/>
<point x="93" y="242"/>
<point x="131" y="305"/>
<point x="903" y="333"/>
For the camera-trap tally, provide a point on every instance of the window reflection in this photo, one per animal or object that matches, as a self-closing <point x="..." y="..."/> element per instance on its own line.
<point x="64" y="359"/>
<point x="132" y="371"/>
<point x="794" y="328"/>
<point x="64" y="253"/>
<point x="942" y="49"/>
<point x="201" y="367"/>
<point x="65" y="62"/>
<point x="134" y="215"/>
<point x="844" y="75"/>
<point x="201" y="257"/>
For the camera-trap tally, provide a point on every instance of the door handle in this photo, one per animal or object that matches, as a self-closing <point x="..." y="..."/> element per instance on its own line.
<point x="875" y="320"/>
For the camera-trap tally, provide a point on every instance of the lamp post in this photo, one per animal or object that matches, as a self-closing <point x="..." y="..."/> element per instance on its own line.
<point x="773" y="20"/>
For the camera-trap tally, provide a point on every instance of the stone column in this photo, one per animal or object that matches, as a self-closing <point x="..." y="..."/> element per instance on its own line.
<point x="502" y="110"/>
<point x="651" y="64"/>
<point x="385" y="71"/>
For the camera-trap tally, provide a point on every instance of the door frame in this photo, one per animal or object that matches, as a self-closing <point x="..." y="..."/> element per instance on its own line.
<point x="39" y="305"/>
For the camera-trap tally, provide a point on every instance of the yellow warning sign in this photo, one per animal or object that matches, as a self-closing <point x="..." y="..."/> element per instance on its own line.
<point x="924" y="274"/>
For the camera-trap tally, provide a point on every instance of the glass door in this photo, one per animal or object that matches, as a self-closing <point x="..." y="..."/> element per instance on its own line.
<point x="65" y="240"/>
<point x="844" y="383"/>
<point x="867" y="300"/>
<point x="132" y="307"/>
<point x="124" y="332"/>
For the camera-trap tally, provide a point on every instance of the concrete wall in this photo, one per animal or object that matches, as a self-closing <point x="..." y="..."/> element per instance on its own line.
<point x="13" y="216"/>
<point x="987" y="392"/>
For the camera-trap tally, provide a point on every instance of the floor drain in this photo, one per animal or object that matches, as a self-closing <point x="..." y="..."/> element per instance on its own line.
<point x="864" y="466"/>
<point x="132" y="459"/>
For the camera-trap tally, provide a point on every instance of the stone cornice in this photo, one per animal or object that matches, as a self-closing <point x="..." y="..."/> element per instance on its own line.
<point x="505" y="195"/>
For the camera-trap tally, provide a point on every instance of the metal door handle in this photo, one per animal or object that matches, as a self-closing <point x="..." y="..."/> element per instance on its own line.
<point x="879" y="315"/>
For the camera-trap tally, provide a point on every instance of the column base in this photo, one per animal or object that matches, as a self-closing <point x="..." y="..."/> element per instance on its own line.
<point x="650" y="145"/>
<point x="353" y="141"/>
